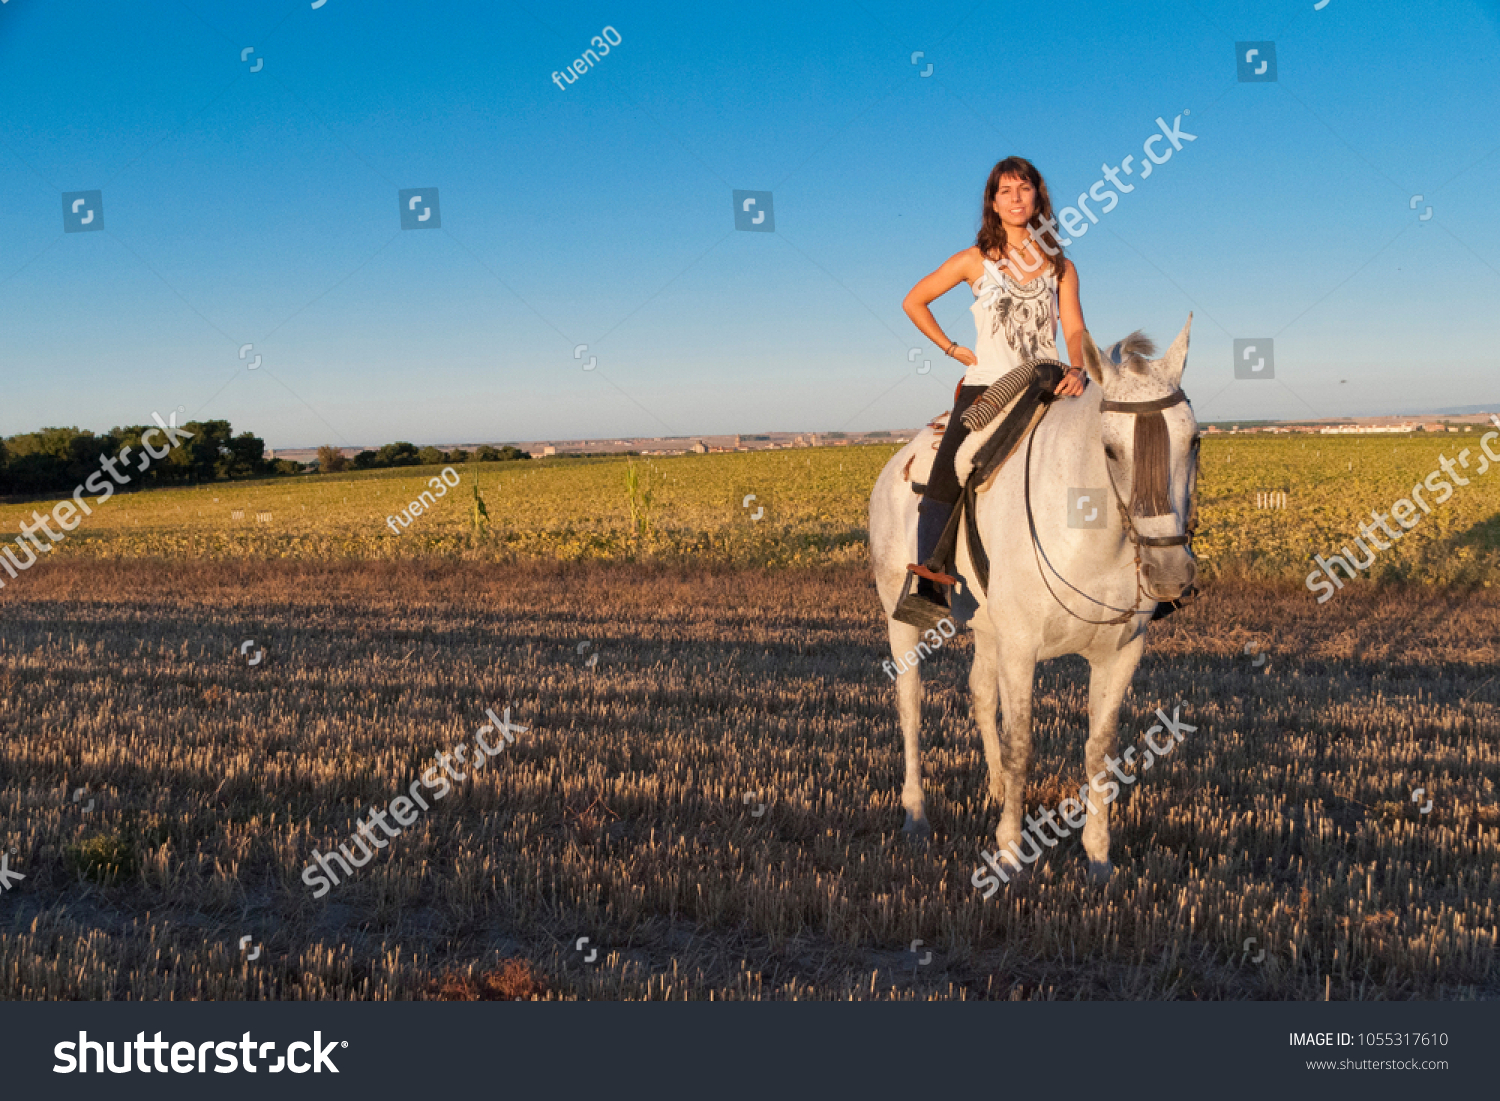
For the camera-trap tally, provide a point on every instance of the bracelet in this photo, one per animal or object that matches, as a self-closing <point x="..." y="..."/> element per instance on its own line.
<point x="948" y="351"/>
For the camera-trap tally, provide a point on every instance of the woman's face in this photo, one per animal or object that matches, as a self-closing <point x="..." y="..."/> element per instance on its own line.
<point x="1015" y="201"/>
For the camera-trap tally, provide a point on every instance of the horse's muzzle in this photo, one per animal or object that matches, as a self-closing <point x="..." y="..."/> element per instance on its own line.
<point x="1166" y="575"/>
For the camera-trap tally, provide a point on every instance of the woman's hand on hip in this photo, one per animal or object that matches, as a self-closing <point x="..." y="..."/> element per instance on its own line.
<point x="964" y="355"/>
<point x="1072" y="383"/>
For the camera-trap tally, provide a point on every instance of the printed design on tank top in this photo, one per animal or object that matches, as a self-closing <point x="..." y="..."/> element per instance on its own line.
<point x="1022" y="311"/>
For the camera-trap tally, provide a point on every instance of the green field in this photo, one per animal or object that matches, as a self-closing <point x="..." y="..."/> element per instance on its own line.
<point x="815" y="505"/>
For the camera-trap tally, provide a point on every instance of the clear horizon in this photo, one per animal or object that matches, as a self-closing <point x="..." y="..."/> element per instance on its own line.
<point x="1474" y="412"/>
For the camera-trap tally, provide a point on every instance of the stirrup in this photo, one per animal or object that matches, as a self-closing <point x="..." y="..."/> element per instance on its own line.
<point x="931" y="575"/>
<point x="917" y="611"/>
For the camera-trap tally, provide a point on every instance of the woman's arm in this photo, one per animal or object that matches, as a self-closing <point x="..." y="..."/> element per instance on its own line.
<point x="961" y="267"/>
<point x="1071" y="311"/>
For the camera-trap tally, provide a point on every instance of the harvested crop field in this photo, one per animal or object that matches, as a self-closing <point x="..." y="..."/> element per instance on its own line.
<point x="707" y="789"/>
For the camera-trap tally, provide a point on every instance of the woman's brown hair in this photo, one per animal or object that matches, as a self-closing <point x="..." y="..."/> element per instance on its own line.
<point x="991" y="239"/>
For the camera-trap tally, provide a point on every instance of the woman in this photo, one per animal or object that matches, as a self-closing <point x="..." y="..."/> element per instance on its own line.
<point x="1023" y="288"/>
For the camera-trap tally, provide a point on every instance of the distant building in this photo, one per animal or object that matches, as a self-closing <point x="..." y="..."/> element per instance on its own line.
<point x="549" y="450"/>
<point x="698" y="448"/>
<point x="1366" y="429"/>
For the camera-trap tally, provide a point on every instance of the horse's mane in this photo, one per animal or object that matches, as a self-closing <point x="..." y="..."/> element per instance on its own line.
<point x="1135" y="351"/>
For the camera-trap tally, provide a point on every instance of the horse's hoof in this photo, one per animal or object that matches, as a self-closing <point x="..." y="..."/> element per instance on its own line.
<point x="917" y="831"/>
<point x="1100" y="871"/>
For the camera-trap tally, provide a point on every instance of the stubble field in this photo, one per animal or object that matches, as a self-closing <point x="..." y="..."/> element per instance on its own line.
<point x="630" y="810"/>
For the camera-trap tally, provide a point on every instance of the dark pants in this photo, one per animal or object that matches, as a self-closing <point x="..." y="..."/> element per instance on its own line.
<point x="942" y="483"/>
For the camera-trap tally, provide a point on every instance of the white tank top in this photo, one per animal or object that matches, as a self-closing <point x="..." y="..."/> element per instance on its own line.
<point x="1015" y="322"/>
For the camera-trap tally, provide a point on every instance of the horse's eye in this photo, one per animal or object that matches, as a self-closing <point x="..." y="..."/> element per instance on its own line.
<point x="1111" y="452"/>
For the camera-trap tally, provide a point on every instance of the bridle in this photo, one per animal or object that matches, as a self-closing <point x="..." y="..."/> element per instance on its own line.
<point x="1137" y="540"/>
<point x="1139" y="408"/>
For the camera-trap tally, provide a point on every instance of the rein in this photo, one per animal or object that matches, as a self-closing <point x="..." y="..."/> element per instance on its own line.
<point x="1148" y="496"/>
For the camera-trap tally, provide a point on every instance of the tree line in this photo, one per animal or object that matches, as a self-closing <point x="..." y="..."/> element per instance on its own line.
<point x="331" y="460"/>
<point x="56" y="460"/>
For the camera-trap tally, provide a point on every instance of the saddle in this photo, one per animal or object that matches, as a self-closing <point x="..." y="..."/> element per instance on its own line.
<point x="1031" y="400"/>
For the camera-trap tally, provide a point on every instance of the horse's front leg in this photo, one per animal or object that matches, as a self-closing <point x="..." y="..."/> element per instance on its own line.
<point x="904" y="639"/>
<point x="1109" y="680"/>
<point x="1017" y="671"/>
<point x="984" y="689"/>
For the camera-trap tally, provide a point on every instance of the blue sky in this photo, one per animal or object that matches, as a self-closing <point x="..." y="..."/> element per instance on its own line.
<point x="260" y="207"/>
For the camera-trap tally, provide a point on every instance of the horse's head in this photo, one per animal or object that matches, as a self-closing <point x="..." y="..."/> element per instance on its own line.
<point x="1151" y="450"/>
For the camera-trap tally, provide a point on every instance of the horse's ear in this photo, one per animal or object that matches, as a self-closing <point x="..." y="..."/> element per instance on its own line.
<point x="1175" y="360"/>
<point x="1093" y="359"/>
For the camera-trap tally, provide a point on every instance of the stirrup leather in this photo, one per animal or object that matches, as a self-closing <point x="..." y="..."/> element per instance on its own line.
<point x="931" y="574"/>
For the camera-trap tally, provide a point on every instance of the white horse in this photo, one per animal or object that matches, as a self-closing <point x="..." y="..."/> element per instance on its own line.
<point x="1058" y="584"/>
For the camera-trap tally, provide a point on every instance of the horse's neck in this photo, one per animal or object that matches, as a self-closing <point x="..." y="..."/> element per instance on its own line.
<point x="1070" y="456"/>
<point x="1070" y="444"/>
